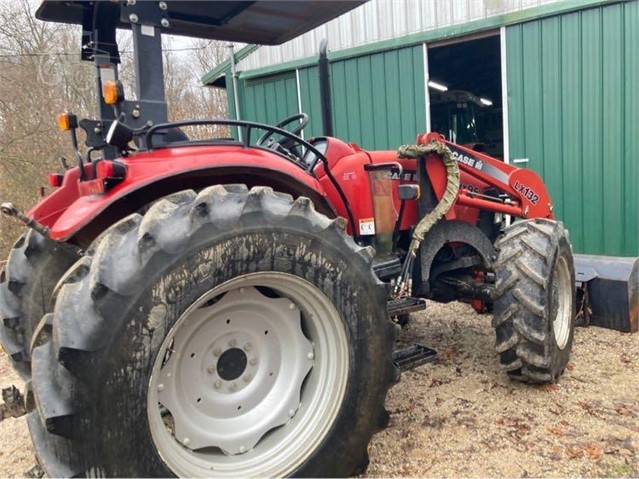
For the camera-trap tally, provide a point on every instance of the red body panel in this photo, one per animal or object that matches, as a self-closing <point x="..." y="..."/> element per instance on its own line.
<point x="66" y="210"/>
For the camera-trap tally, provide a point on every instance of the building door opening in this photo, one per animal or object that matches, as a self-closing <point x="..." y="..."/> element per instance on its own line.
<point x="465" y="93"/>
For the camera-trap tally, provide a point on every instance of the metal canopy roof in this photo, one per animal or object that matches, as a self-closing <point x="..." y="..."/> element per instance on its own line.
<point x="263" y="22"/>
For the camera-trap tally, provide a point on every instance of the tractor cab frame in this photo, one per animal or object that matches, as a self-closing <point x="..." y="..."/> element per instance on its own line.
<point x="246" y="21"/>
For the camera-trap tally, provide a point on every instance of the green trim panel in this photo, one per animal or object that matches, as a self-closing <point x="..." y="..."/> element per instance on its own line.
<point x="573" y="83"/>
<point x="378" y="100"/>
<point x="311" y="103"/>
<point x="269" y="100"/>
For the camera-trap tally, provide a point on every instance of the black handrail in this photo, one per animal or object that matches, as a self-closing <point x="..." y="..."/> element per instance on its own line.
<point x="246" y="125"/>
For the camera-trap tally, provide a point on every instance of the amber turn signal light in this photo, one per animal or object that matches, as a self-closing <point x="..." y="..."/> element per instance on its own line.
<point x="112" y="92"/>
<point x="67" y="121"/>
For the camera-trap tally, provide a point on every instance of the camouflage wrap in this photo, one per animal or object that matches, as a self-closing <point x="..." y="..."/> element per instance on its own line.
<point x="452" y="186"/>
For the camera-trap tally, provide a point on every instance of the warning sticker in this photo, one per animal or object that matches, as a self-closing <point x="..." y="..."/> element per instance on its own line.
<point x="367" y="226"/>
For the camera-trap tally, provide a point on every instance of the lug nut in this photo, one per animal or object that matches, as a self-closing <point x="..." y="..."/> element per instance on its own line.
<point x="247" y="377"/>
<point x="133" y="18"/>
<point x="160" y="387"/>
<point x="233" y="387"/>
<point x="210" y="370"/>
<point x="242" y="449"/>
<point x="217" y="352"/>
<point x="253" y="361"/>
<point x="217" y="384"/>
<point x="162" y="5"/>
<point x="291" y="306"/>
<point x="233" y="342"/>
<point x="311" y="355"/>
<point x="247" y="347"/>
<point x="164" y="22"/>
<point x="291" y="412"/>
<point x="186" y="441"/>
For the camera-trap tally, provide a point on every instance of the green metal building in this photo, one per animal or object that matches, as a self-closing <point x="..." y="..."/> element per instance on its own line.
<point x="562" y="78"/>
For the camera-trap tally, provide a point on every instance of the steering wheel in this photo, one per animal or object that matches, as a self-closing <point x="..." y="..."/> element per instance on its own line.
<point x="286" y="144"/>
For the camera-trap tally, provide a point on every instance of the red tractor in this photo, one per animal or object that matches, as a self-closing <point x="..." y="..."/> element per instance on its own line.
<point x="229" y="306"/>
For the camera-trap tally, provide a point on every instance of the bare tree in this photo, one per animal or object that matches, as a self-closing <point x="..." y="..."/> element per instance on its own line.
<point x="41" y="75"/>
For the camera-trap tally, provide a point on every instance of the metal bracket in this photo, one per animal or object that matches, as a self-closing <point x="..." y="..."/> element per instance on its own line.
<point x="139" y="113"/>
<point x="144" y="13"/>
<point x="94" y="130"/>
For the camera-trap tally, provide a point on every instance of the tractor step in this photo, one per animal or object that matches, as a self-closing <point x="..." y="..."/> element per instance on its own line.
<point x="413" y="356"/>
<point x="397" y="307"/>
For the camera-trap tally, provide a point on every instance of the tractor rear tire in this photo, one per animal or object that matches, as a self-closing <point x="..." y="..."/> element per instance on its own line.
<point x="534" y="306"/>
<point x="33" y="269"/>
<point x="229" y="333"/>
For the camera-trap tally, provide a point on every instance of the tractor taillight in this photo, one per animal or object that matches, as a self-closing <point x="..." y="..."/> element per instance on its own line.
<point x="55" y="180"/>
<point x="107" y="169"/>
<point x="104" y="169"/>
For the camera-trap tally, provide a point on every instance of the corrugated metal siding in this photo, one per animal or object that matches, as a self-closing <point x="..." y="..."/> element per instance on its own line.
<point x="269" y="100"/>
<point x="379" y="20"/>
<point x="378" y="100"/>
<point x="631" y="135"/>
<point x="573" y="111"/>
<point x="311" y="104"/>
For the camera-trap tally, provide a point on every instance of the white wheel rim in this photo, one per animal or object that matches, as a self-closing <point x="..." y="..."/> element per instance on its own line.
<point x="561" y="302"/>
<point x="252" y="383"/>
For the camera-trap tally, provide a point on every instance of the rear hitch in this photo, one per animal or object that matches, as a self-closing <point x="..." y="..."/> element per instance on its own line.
<point x="12" y="211"/>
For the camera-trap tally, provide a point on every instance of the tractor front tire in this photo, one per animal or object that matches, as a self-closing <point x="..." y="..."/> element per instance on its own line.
<point x="534" y="306"/>
<point x="33" y="269"/>
<point x="230" y="333"/>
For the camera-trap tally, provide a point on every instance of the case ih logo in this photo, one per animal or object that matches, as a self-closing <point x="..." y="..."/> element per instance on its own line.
<point x="467" y="160"/>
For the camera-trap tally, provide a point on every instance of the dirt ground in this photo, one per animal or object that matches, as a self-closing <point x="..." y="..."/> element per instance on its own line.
<point x="461" y="416"/>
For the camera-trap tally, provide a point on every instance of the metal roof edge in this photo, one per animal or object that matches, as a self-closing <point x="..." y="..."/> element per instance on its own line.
<point x="444" y="33"/>
<point x="211" y="76"/>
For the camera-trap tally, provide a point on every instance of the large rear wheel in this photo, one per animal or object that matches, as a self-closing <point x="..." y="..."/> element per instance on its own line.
<point x="230" y="333"/>
<point x="34" y="267"/>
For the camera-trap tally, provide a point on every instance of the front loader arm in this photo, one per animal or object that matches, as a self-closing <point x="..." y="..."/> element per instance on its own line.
<point x="527" y="196"/>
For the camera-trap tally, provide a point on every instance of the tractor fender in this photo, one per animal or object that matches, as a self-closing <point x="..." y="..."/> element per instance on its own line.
<point x="83" y="218"/>
<point x="452" y="231"/>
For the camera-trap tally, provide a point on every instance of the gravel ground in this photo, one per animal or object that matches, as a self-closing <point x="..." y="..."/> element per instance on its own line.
<point x="461" y="416"/>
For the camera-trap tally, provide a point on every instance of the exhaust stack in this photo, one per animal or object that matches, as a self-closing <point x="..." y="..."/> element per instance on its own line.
<point x="325" y="89"/>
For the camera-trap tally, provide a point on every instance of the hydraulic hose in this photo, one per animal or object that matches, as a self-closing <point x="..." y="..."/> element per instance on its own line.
<point x="403" y="285"/>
